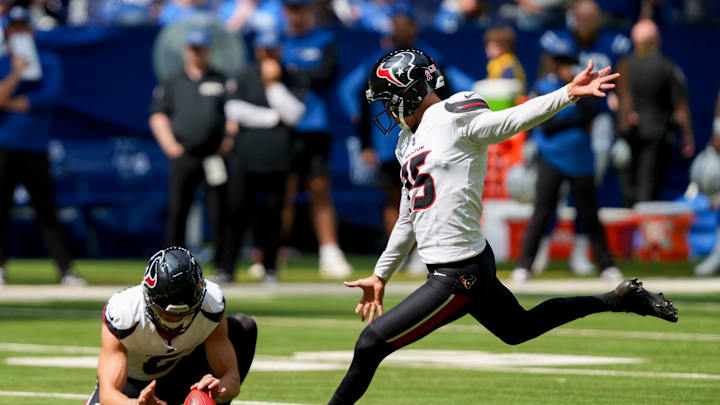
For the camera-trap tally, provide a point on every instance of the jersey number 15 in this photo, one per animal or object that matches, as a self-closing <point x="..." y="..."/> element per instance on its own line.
<point x="413" y="178"/>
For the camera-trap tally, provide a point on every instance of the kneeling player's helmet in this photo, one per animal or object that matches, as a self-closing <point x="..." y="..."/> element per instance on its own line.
<point x="174" y="288"/>
<point x="401" y="80"/>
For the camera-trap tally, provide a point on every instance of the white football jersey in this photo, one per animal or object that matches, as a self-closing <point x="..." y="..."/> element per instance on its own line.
<point x="149" y="355"/>
<point x="444" y="163"/>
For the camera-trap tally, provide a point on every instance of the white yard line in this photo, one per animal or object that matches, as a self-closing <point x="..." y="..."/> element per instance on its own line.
<point x="60" y="395"/>
<point x="610" y="373"/>
<point x="30" y="348"/>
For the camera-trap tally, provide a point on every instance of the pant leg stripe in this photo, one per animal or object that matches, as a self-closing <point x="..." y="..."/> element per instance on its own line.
<point x="430" y="322"/>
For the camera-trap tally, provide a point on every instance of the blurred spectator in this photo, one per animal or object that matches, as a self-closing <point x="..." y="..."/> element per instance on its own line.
<point x="44" y="14"/>
<point x="28" y="91"/>
<point x="126" y="12"/>
<point x="265" y="111"/>
<point x="565" y="154"/>
<point x="177" y="10"/>
<point x="540" y="14"/>
<point x="378" y="150"/>
<point x="653" y="105"/>
<point x="370" y="15"/>
<point x="500" y="52"/>
<point x="188" y="122"/>
<point x="605" y="49"/>
<point x="457" y="14"/>
<point x="251" y="15"/>
<point x="311" y="55"/>
<point x="711" y="264"/>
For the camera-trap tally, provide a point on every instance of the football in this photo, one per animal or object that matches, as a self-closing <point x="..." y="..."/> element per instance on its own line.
<point x="196" y="397"/>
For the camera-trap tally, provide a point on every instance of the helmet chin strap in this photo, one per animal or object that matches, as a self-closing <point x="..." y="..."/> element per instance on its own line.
<point x="401" y="117"/>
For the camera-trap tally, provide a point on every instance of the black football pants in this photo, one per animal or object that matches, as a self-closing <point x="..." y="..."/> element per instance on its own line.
<point x="549" y="180"/>
<point x="33" y="171"/>
<point x="186" y="174"/>
<point x="174" y="387"/>
<point x="245" y="188"/>
<point x="453" y="290"/>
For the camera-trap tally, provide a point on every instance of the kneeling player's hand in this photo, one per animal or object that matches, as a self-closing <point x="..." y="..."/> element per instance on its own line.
<point x="147" y="395"/>
<point x="373" y="292"/>
<point x="210" y="384"/>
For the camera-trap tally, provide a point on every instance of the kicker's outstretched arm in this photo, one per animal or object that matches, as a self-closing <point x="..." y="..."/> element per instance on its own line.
<point x="497" y="126"/>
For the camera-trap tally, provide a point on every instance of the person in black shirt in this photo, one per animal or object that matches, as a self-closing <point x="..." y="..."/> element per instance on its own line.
<point x="265" y="111"/>
<point x="188" y="121"/>
<point x="653" y="105"/>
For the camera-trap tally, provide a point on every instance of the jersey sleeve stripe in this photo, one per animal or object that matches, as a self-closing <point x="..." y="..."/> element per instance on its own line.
<point x="466" y="105"/>
<point x="213" y="317"/>
<point x="118" y="333"/>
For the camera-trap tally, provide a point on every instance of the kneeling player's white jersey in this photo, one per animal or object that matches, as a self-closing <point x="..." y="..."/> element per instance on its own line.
<point x="149" y="355"/>
<point x="444" y="163"/>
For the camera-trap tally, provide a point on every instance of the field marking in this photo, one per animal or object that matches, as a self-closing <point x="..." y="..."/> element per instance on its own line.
<point x="33" y="348"/>
<point x="522" y="363"/>
<point x="60" y="395"/>
<point x="609" y="373"/>
<point x="513" y="363"/>
<point x="472" y="359"/>
<point x="260" y="364"/>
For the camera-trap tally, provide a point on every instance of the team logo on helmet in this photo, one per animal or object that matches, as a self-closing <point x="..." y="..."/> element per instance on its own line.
<point x="150" y="278"/>
<point x="467" y="281"/>
<point x="393" y="69"/>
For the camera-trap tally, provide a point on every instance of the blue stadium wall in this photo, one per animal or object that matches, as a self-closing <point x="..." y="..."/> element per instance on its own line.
<point x="111" y="178"/>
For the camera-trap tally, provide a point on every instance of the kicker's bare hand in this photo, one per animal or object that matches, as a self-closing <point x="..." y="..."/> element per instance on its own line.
<point x="147" y="395"/>
<point x="373" y="292"/>
<point x="589" y="83"/>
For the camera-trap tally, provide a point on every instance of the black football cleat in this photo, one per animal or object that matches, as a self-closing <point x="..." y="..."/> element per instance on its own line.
<point x="635" y="298"/>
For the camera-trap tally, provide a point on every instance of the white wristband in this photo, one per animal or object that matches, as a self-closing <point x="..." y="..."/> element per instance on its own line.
<point x="716" y="126"/>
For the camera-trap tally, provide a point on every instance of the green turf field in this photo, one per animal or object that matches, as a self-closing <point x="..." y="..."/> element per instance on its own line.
<point x="642" y="360"/>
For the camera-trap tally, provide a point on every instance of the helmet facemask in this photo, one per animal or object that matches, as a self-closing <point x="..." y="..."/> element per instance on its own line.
<point x="397" y="107"/>
<point x="174" y="289"/>
<point x="172" y="320"/>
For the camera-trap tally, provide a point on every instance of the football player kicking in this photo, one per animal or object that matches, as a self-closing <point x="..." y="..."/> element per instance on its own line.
<point x="169" y="335"/>
<point x="443" y="151"/>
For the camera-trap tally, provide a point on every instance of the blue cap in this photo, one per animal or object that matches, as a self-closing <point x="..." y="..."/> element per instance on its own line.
<point x="268" y="39"/>
<point x="296" y="2"/>
<point x="199" y="37"/>
<point x="561" y="48"/>
<point x="403" y="8"/>
<point x="18" y="13"/>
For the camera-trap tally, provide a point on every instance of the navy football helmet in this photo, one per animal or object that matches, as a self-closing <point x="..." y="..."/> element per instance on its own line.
<point x="174" y="289"/>
<point x="401" y="80"/>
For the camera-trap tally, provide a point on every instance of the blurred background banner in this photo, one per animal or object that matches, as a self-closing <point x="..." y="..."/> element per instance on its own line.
<point x="113" y="176"/>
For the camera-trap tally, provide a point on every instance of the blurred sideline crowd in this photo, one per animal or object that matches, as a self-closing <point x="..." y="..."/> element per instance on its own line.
<point x="372" y="15"/>
<point x="256" y="137"/>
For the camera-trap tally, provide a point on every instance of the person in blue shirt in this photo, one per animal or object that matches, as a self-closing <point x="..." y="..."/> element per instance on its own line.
<point x="605" y="49"/>
<point x="245" y="16"/>
<point x="310" y="55"/>
<point x="565" y="153"/>
<point x="25" y="129"/>
<point x="454" y="15"/>
<point x="378" y="150"/>
<point x="178" y="10"/>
